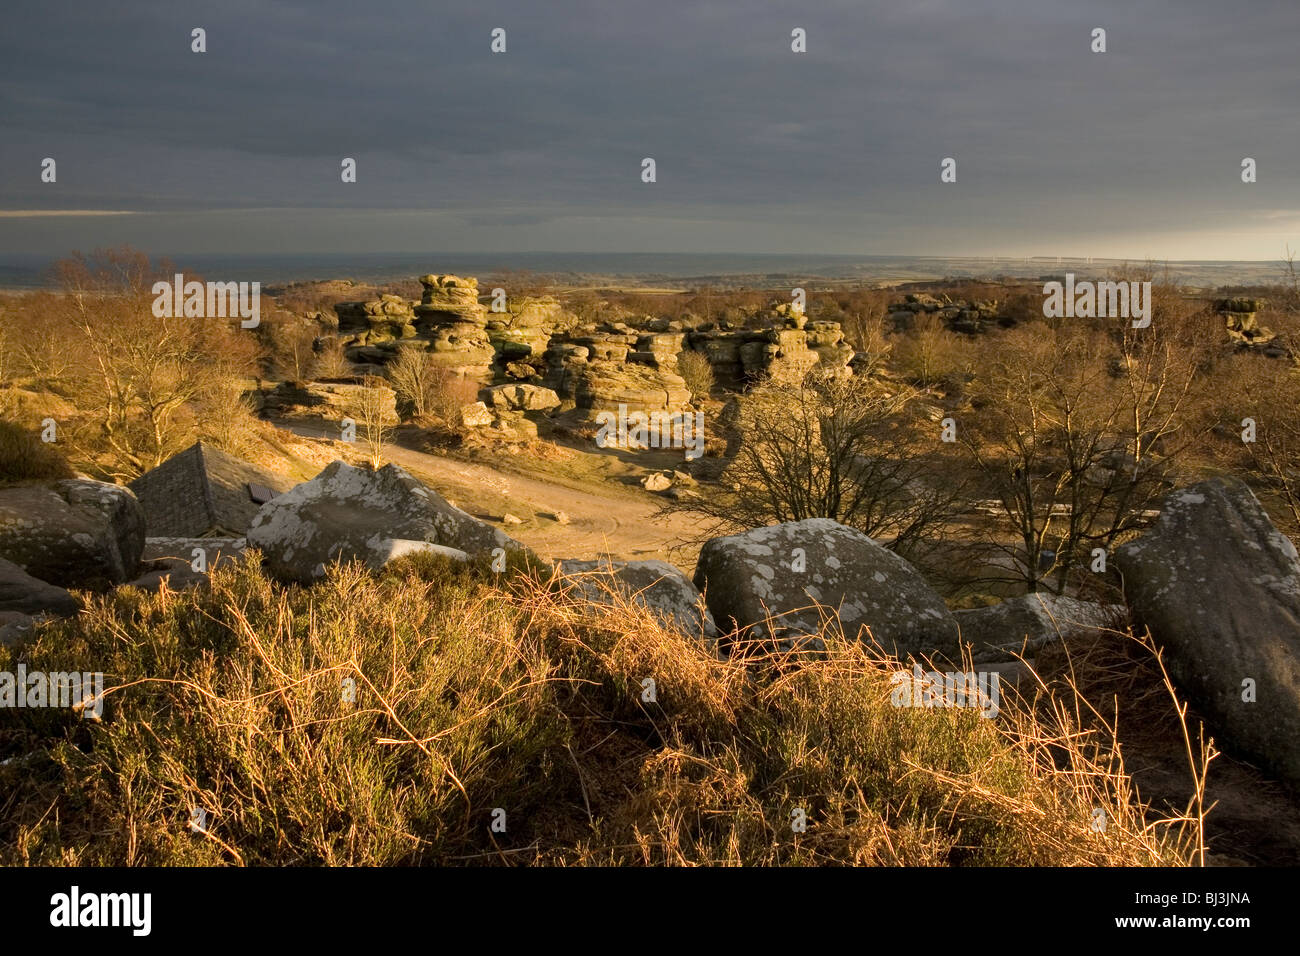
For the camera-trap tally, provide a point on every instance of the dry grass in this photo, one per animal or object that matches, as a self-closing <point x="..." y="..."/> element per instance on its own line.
<point x="476" y="691"/>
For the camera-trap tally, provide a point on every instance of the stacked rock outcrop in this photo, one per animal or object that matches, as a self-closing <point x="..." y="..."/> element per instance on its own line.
<point x="454" y="322"/>
<point x="521" y="334"/>
<point x="1242" y="324"/>
<point x="958" y="315"/>
<point x="631" y="361"/>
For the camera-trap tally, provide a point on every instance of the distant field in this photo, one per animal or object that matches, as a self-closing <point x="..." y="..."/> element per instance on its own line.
<point x="654" y="273"/>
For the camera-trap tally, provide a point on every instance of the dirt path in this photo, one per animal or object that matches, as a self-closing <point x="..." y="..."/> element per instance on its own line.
<point x="606" y="518"/>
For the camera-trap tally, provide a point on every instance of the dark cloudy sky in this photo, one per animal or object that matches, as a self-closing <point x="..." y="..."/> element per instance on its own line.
<point x="1132" y="153"/>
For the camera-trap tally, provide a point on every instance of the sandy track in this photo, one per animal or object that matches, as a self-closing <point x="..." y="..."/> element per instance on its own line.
<point x="608" y="518"/>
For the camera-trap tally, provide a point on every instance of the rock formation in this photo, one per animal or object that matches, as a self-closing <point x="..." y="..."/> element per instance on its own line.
<point x="1031" y="622"/>
<point x="1243" y="328"/>
<point x="521" y="398"/>
<point x="448" y="321"/>
<point x="970" y="318"/>
<point x="653" y="584"/>
<point x="589" y="366"/>
<point x="72" y="533"/>
<point x="172" y="561"/>
<point x="23" y="594"/>
<point x="454" y="323"/>
<point x="604" y="386"/>
<point x="347" y="513"/>
<point x="785" y="572"/>
<point x="521" y="334"/>
<point x="1219" y="587"/>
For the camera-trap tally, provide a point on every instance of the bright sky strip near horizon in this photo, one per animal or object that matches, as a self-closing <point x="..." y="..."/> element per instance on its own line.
<point x="1134" y="153"/>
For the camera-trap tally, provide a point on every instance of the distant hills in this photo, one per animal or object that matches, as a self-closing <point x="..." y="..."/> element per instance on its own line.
<point x="660" y="269"/>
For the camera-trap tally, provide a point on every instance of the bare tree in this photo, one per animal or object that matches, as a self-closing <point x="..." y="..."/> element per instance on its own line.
<point x="450" y="392"/>
<point x="930" y="352"/>
<point x="1068" y="450"/>
<point x="228" y="418"/>
<point x="412" y="376"/>
<point x="1290" y="281"/>
<point x="331" y="358"/>
<point x="1273" y="393"/>
<point x="138" y="374"/>
<point x="293" y="342"/>
<point x="829" y="447"/>
<point x="866" y="332"/>
<point x="373" y="411"/>
<point x="39" y="333"/>
<point x="1157" y="368"/>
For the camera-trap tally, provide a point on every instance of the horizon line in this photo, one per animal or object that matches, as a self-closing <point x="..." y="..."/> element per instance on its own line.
<point x="407" y="253"/>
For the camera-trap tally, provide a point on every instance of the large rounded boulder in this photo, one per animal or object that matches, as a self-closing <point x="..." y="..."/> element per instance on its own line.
<point x="72" y="533"/>
<point x="798" y="573"/>
<point x="1219" y="587"/>
<point x="348" y="513"/>
<point x="655" y="585"/>
<point x="23" y="594"/>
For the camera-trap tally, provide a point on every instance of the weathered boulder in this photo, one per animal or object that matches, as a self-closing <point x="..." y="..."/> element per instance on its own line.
<point x="656" y="481"/>
<point x="604" y="347"/>
<point x="452" y="324"/>
<point x="1242" y="325"/>
<point x="564" y="362"/>
<point x="477" y="415"/>
<point x="656" y="585"/>
<point x="786" y="570"/>
<point x="521" y="398"/>
<point x="390" y="549"/>
<point x="378" y="320"/>
<point x="604" y="386"/>
<point x="177" y="561"/>
<point x="523" y="331"/>
<point x="788" y="315"/>
<point x="523" y="372"/>
<point x="826" y="340"/>
<point x="462" y="346"/>
<point x="779" y="355"/>
<point x="1031" y="622"/>
<point x="508" y="427"/>
<point x="24" y="594"/>
<point x="722" y="349"/>
<point x="1219" y="588"/>
<point x="16" y="628"/>
<point x="534" y="311"/>
<point x="449" y="297"/>
<point x="659" y="349"/>
<point x="347" y="513"/>
<point x="73" y="533"/>
<point x="1240" y="305"/>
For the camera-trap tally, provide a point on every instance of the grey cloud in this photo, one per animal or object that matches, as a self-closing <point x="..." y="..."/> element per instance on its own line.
<point x="839" y="146"/>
